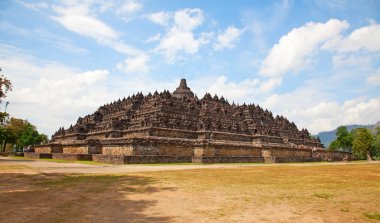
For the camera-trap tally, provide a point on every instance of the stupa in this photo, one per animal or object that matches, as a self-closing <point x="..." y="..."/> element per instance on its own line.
<point x="178" y="127"/>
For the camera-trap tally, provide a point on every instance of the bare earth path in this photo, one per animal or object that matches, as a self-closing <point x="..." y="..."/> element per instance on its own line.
<point x="47" y="167"/>
<point x="45" y="191"/>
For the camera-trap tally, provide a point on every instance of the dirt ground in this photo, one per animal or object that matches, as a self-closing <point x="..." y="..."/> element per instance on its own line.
<point x="42" y="191"/>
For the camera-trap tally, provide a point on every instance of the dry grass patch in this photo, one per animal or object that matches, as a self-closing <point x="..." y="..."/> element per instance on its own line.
<point x="265" y="193"/>
<point x="336" y="193"/>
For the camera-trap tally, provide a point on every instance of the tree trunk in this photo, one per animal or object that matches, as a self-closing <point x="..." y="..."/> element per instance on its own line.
<point x="4" y="145"/>
<point x="369" y="156"/>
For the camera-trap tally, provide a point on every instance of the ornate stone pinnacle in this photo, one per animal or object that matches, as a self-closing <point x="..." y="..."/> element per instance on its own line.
<point x="183" y="84"/>
<point x="182" y="90"/>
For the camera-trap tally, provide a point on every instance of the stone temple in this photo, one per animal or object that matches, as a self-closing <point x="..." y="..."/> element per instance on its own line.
<point x="178" y="127"/>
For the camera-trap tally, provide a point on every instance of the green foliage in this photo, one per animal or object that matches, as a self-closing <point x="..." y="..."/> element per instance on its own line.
<point x="5" y="86"/>
<point x="343" y="140"/>
<point x="29" y="136"/>
<point x="334" y="146"/>
<point x="377" y="131"/>
<point x="375" y="147"/>
<point x="362" y="143"/>
<point x="21" y="133"/>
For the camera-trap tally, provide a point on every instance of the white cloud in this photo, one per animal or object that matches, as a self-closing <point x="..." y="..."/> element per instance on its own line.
<point x="177" y="40"/>
<point x="366" y="38"/>
<point x="228" y="38"/>
<point x="342" y="60"/>
<point x="374" y="79"/>
<point x="161" y="18"/>
<point x="50" y="94"/>
<point x="312" y="108"/>
<point x="294" y="50"/>
<point x="270" y="84"/>
<point x="33" y="6"/>
<point x="129" y="7"/>
<point x="188" y="19"/>
<point x="82" y="19"/>
<point x="231" y="90"/>
<point x="136" y="65"/>
<point x="77" y="19"/>
<point x="154" y="38"/>
<point x="40" y="34"/>
<point x="180" y="37"/>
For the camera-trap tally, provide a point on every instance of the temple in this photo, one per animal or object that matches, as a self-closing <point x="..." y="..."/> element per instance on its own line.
<point x="178" y="127"/>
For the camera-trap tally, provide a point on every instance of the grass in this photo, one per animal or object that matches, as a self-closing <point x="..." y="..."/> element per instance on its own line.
<point x="271" y="193"/>
<point x="335" y="190"/>
<point x="323" y="195"/>
<point x="372" y="216"/>
<point x="88" y="162"/>
<point x="13" y="167"/>
<point x="72" y="180"/>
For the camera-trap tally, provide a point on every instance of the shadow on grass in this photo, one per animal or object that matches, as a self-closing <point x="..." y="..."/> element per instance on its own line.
<point x="77" y="198"/>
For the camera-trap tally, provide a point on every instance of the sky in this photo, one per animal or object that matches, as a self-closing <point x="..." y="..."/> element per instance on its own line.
<point x="315" y="62"/>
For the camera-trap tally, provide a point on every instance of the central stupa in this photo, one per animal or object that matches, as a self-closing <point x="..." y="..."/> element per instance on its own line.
<point x="183" y="90"/>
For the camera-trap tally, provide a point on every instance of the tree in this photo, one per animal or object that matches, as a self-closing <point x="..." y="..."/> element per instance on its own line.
<point x="30" y="136"/>
<point x="375" y="148"/>
<point x="334" y="146"/>
<point x="345" y="138"/>
<point x="362" y="143"/>
<point x="21" y="133"/>
<point x="343" y="141"/>
<point x="12" y="130"/>
<point x="5" y="86"/>
<point x="5" y="137"/>
<point x="377" y="131"/>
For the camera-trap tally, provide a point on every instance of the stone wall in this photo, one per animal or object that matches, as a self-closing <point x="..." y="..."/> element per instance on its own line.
<point x="175" y="150"/>
<point x="75" y="149"/>
<point x="34" y="155"/>
<point x="119" y="159"/>
<point x="63" y="156"/>
<point x="82" y="149"/>
<point x="333" y="156"/>
<point x="237" y="151"/>
<point x="50" y="148"/>
<point x="168" y="150"/>
<point x="126" y="150"/>
<point x="172" y="133"/>
<point x="290" y="152"/>
<point x="113" y="159"/>
<point x="236" y="159"/>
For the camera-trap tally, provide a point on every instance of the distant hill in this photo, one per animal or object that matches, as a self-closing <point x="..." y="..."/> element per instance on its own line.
<point x="329" y="136"/>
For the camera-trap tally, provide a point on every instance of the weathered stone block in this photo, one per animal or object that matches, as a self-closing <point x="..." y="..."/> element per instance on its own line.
<point x="120" y="159"/>
<point x="34" y="155"/>
<point x="63" y="156"/>
<point x="126" y="150"/>
<point x="50" y="148"/>
<point x="213" y="159"/>
<point x="113" y="159"/>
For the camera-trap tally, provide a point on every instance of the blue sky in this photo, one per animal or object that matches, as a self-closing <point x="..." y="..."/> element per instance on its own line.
<point x="315" y="62"/>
